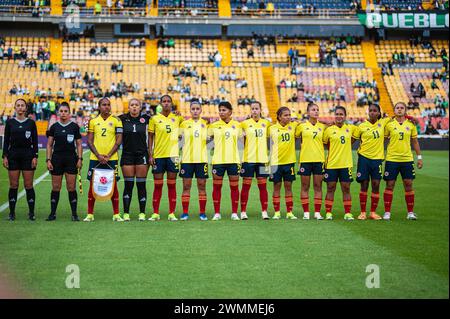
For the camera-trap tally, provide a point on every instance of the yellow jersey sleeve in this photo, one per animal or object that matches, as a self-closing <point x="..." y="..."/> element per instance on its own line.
<point x="151" y="125"/>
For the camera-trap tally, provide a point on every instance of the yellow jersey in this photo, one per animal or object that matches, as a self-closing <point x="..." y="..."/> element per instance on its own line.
<point x="255" y="147"/>
<point x="282" y="139"/>
<point x="105" y="135"/>
<point x="371" y="138"/>
<point x="166" y="130"/>
<point x="400" y="135"/>
<point x="194" y="134"/>
<point x="339" y="142"/>
<point x="226" y="137"/>
<point x="311" y="150"/>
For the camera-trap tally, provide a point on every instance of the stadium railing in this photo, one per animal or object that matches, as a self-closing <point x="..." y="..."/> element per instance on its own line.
<point x="175" y="11"/>
<point x="23" y="10"/>
<point x="304" y="13"/>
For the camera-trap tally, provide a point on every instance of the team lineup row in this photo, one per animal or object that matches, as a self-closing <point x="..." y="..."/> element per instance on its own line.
<point x="269" y="153"/>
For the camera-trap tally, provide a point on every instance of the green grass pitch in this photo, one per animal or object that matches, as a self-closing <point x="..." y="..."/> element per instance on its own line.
<point x="226" y="259"/>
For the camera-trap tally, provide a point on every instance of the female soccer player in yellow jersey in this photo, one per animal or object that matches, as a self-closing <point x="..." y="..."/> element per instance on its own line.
<point x="282" y="160"/>
<point x="256" y="161"/>
<point x="339" y="162"/>
<point x="194" y="159"/>
<point x="164" y="155"/>
<point x="370" y="159"/>
<point x="104" y="138"/>
<point x="226" y="133"/>
<point x="312" y="158"/>
<point x="399" y="159"/>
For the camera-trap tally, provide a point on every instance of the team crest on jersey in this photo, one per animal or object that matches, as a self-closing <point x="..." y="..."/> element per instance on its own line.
<point x="173" y="120"/>
<point x="320" y="129"/>
<point x="27" y="134"/>
<point x="289" y="128"/>
<point x="203" y="125"/>
<point x="233" y="127"/>
<point x="70" y="138"/>
<point x="347" y="130"/>
<point x="379" y="125"/>
<point x="142" y="120"/>
<point x="407" y="128"/>
<point x="263" y="125"/>
<point x="110" y="124"/>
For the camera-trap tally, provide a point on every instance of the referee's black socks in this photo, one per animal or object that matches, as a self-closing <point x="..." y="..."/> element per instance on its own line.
<point x="73" y="200"/>
<point x="142" y="193"/>
<point x="31" y="199"/>
<point x="12" y="198"/>
<point x="127" y="193"/>
<point x="54" y="200"/>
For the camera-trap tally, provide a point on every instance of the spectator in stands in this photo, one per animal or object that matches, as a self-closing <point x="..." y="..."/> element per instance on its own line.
<point x="217" y="59"/>
<point x="270" y="8"/>
<point x="341" y="93"/>
<point x="434" y="86"/>
<point x="171" y="43"/>
<point x="430" y="130"/>
<point x="119" y="67"/>
<point x="134" y="43"/>
<point x="241" y="83"/>
<point x="163" y="61"/>
<point x="413" y="105"/>
<point x="250" y="53"/>
<point x="97" y="8"/>
<point x="293" y="98"/>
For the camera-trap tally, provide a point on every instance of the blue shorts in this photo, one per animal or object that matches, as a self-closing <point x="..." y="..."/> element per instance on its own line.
<point x="406" y="169"/>
<point x="369" y="169"/>
<point x="96" y="164"/>
<point x="231" y="169"/>
<point x="306" y="169"/>
<point x="254" y="169"/>
<point x="343" y="175"/>
<point x="284" y="172"/>
<point x="166" y="164"/>
<point x="189" y="169"/>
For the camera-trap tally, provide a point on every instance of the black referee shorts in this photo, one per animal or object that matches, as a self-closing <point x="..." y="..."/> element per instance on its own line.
<point x="64" y="164"/>
<point x="18" y="161"/>
<point x="134" y="159"/>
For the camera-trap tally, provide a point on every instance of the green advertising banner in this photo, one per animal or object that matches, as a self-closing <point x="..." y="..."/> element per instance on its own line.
<point x="404" y="20"/>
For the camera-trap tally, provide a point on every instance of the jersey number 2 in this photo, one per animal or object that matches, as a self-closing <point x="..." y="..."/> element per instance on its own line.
<point x="103" y="131"/>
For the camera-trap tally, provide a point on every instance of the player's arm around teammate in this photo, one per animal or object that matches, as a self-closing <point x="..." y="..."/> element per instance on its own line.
<point x="339" y="162"/>
<point x="282" y="160"/>
<point x="64" y="157"/>
<point x="134" y="161"/>
<point x="255" y="161"/>
<point x="399" y="159"/>
<point x="104" y="139"/>
<point x="226" y="132"/>
<point x="20" y="154"/>
<point x="163" y="148"/>
<point x="312" y="158"/>
<point x="370" y="159"/>
<point x="194" y="159"/>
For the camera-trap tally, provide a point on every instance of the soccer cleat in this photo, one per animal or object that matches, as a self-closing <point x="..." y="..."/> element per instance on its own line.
<point x="126" y="217"/>
<point x="141" y="217"/>
<point x="172" y="218"/>
<point x="411" y="216"/>
<point x="203" y="217"/>
<point x="12" y="217"/>
<point x="374" y="216"/>
<point x="362" y="216"/>
<point x="117" y="218"/>
<point x="244" y="216"/>
<point x="277" y="215"/>
<point x="264" y="215"/>
<point x="154" y="217"/>
<point x="306" y="216"/>
<point x="348" y="216"/>
<point x="51" y="217"/>
<point x="89" y="218"/>
<point x="217" y="217"/>
<point x="329" y="216"/>
<point x="184" y="217"/>
<point x="290" y="216"/>
<point x="387" y="216"/>
<point x="31" y="217"/>
<point x="75" y="218"/>
<point x="235" y="216"/>
<point x="318" y="216"/>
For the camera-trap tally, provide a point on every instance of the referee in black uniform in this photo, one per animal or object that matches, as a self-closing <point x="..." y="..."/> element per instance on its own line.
<point x="134" y="161"/>
<point x="20" y="154"/>
<point x="64" y="157"/>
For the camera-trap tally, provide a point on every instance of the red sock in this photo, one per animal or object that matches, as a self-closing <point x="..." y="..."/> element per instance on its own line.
<point x="329" y="205"/>
<point x="347" y="206"/>
<point x="388" y="194"/>
<point x="185" y="199"/>
<point x="263" y="194"/>
<point x="202" y="203"/>
<point x="234" y="190"/>
<point x="246" y="184"/>
<point x="409" y="197"/>
<point x="374" y="197"/>
<point x="363" y="201"/>
<point x="305" y="204"/>
<point x="289" y="203"/>
<point x="217" y="194"/>
<point x="115" y="200"/>
<point x="276" y="203"/>
<point x="317" y="204"/>
<point x="91" y="200"/>
<point x="157" y="193"/>
<point x="172" y="191"/>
